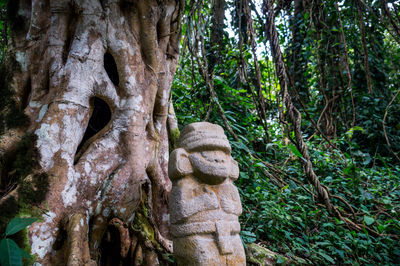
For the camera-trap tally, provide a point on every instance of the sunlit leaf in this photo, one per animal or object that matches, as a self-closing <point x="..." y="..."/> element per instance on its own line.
<point x="295" y="150"/>
<point x="368" y="220"/>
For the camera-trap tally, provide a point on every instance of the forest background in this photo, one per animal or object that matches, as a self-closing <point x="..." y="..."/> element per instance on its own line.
<point x="308" y="93"/>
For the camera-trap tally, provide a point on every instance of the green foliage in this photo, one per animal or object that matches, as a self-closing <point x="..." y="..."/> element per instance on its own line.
<point x="17" y="224"/>
<point x="293" y="223"/>
<point x="10" y="253"/>
<point x="11" y="114"/>
<point x="295" y="150"/>
<point x="280" y="208"/>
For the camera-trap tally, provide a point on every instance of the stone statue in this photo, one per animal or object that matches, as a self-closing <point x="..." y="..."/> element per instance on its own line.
<point x="204" y="203"/>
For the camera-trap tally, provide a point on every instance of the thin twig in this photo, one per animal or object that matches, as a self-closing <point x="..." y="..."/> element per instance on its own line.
<point x="384" y="127"/>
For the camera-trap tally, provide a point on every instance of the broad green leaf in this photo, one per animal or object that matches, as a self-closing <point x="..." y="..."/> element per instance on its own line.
<point x="10" y="253"/>
<point x="248" y="237"/>
<point x="281" y="259"/>
<point x="285" y="187"/>
<point x="17" y="224"/>
<point x="327" y="257"/>
<point x="259" y="164"/>
<point x="295" y="150"/>
<point x="368" y="220"/>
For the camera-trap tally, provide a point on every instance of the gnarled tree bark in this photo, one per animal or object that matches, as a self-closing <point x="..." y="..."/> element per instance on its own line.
<point x="94" y="77"/>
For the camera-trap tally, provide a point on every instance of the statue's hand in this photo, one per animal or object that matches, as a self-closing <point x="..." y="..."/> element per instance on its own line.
<point x="203" y="198"/>
<point x="228" y="206"/>
<point x="210" y="198"/>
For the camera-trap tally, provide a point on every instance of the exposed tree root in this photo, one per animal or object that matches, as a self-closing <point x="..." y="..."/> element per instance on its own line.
<point x="78" y="241"/>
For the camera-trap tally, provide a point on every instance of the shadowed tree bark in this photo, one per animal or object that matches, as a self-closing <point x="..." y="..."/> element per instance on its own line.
<point x="297" y="61"/>
<point x="94" y="77"/>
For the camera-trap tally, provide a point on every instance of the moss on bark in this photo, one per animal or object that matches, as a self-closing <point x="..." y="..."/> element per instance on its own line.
<point x="259" y="255"/>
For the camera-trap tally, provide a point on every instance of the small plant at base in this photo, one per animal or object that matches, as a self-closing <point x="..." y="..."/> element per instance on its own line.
<point x="10" y="253"/>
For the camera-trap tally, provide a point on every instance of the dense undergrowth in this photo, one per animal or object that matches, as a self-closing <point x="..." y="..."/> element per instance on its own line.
<point x="290" y="220"/>
<point x="282" y="210"/>
<point x="285" y="215"/>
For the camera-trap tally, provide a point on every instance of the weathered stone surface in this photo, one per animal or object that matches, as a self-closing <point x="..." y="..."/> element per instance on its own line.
<point x="204" y="203"/>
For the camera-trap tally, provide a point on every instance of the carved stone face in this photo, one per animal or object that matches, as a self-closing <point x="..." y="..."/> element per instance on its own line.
<point x="211" y="166"/>
<point x="204" y="151"/>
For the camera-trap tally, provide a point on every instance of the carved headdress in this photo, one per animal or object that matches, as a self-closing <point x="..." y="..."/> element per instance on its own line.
<point x="205" y="136"/>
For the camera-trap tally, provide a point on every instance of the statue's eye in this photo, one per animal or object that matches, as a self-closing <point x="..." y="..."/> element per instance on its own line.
<point x="213" y="156"/>
<point x="207" y="154"/>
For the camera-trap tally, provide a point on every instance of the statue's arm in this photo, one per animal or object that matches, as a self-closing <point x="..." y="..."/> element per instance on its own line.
<point x="230" y="200"/>
<point x="203" y="202"/>
<point x="189" y="201"/>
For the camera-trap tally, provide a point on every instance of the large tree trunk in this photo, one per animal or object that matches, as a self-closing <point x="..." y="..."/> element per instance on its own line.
<point x="94" y="76"/>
